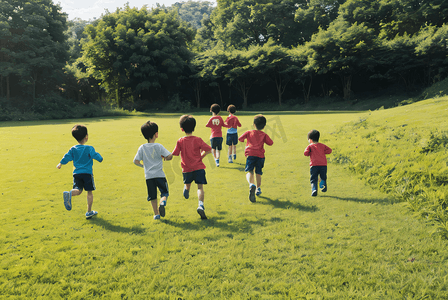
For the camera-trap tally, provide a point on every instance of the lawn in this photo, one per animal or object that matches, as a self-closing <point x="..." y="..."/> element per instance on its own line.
<point x="349" y="243"/>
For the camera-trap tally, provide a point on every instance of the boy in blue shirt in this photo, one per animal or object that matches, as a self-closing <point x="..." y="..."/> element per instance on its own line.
<point x="82" y="156"/>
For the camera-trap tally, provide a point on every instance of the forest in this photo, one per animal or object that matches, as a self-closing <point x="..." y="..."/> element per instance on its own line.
<point x="195" y="53"/>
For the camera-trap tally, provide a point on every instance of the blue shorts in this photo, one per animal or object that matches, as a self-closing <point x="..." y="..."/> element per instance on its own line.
<point x="232" y="139"/>
<point x="216" y="143"/>
<point x="152" y="184"/>
<point x="254" y="162"/>
<point x="83" y="182"/>
<point x="198" y="176"/>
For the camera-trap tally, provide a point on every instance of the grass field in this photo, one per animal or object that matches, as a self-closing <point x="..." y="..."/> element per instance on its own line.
<point x="350" y="243"/>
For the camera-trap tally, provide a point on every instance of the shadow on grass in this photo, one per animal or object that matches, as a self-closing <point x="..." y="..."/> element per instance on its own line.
<point x="287" y="204"/>
<point x="382" y="201"/>
<point x="241" y="225"/>
<point x="116" y="228"/>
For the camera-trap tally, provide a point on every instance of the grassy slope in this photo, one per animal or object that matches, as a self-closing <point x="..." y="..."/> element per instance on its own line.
<point x="351" y="242"/>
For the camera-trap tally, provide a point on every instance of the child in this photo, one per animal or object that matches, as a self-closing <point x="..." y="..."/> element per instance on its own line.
<point x="82" y="156"/>
<point x="215" y="123"/>
<point x="232" y="133"/>
<point x="318" y="161"/>
<point x="192" y="150"/>
<point x="254" y="153"/>
<point x="152" y="155"/>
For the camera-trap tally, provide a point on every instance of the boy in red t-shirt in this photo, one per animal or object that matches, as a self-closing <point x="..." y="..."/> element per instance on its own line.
<point x="254" y="153"/>
<point x="192" y="150"/>
<point x="232" y="123"/>
<point x="216" y="123"/>
<point x="318" y="161"/>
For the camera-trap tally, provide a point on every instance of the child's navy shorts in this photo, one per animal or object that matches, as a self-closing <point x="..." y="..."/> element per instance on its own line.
<point x="198" y="176"/>
<point x="232" y="139"/>
<point x="153" y="183"/>
<point x="83" y="182"/>
<point x="216" y="143"/>
<point x="254" y="162"/>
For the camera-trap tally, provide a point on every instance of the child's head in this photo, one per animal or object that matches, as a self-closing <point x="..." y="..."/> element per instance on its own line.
<point x="79" y="132"/>
<point x="187" y="123"/>
<point x="314" y="135"/>
<point x="215" y="108"/>
<point x="231" y="108"/>
<point x="149" y="129"/>
<point x="259" y="122"/>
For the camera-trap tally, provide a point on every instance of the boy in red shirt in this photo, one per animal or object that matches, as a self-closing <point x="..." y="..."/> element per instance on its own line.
<point x="216" y="123"/>
<point x="254" y="153"/>
<point x="232" y="134"/>
<point x="318" y="161"/>
<point x="192" y="150"/>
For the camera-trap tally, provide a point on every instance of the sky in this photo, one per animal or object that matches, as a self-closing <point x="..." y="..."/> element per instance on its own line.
<point x="90" y="9"/>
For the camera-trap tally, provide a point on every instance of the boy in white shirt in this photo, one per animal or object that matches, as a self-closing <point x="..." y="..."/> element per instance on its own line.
<point x="152" y="154"/>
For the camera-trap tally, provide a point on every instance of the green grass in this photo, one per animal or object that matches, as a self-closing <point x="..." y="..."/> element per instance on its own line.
<point x="352" y="242"/>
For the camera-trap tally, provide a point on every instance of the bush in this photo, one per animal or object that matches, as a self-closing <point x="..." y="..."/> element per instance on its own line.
<point x="176" y="104"/>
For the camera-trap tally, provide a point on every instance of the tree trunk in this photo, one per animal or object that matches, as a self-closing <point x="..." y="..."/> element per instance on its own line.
<point x="8" y="91"/>
<point x="347" y="85"/>
<point x="306" y="94"/>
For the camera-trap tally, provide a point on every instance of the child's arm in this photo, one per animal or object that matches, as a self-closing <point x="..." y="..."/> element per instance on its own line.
<point x="169" y="157"/>
<point x="307" y="151"/>
<point x="138" y="163"/>
<point x="204" y="153"/>
<point x="59" y="165"/>
<point x="327" y="150"/>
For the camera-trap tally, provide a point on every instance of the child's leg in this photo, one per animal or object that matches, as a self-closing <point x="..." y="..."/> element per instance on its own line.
<point x="234" y="151"/>
<point x="76" y="192"/>
<point x="200" y="209"/>
<point x="89" y="200"/>
<point x="201" y="194"/>
<point x="217" y="154"/>
<point x="154" y="207"/>
<point x="250" y="177"/>
<point x="187" y="186"/>
<point x="313" y="180"/>
<point x="258" y="177"/>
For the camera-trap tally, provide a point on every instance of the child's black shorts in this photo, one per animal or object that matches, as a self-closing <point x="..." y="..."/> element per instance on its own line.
<point x="153" y="183"/>
<point x="232" y="139"/>
<point x="83" y="182"/>
<point x="216" y="143"/>
<point x="198" y="176"/>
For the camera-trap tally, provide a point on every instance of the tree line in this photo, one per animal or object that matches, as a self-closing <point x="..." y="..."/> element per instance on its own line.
<point x="239" y="51"/>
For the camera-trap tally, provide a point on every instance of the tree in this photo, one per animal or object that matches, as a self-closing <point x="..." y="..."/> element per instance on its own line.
<point x="273" y="62"/>
<point x="314" y="14"/>
<point x="142" y="52"/>
<point x="343" y="49"/>
<point x="194" y="12"/>
<point x="33" y="49"/>
<point x="243" y="23"/>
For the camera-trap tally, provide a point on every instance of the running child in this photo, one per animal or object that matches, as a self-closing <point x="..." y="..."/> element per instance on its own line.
<point x="254" y="153"/>
<point x="152" y="154"/>
<point x="318" y="161"/>
<point x="82" y="156"/>
<point x="232" y="133"/>
<point x="192" y="150"/>
<point x="216" y="123"/>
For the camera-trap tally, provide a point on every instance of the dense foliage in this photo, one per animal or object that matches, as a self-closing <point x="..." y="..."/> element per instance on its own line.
<point x="240" y="51"/>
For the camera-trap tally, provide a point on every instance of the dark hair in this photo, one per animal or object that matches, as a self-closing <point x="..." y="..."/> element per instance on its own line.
<point x="215" y="108"/>
<point x="314" y="135"/>
<point x="260" y="122"/>
<point x="149" y="129"/>
<point x="231" y="108"/>
<point x="79" y="132"/>
<point x="187" y="123"/>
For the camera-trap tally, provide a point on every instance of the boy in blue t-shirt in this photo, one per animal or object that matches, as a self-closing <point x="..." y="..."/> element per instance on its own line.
<point x="82" y="156"/>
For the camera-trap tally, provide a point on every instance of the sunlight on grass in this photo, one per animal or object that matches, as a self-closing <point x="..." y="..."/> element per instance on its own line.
<point x="351" y="242"/>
